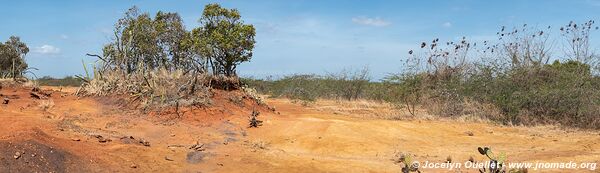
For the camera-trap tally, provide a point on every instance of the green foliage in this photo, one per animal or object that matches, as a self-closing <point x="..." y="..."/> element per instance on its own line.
<point x="407" y="90"/>
<point x="158" y="62"/>
<point x="12" y="58"/>
<point x="513" y="74"/>
<point x="557" y="93"/>
<point x="301" y="87"/>
<point x="145" y="43"/>
<point x="224" y="39"/>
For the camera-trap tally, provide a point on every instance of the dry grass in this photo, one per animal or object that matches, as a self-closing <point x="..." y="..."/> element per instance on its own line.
<point x="158" y="88"/>
<point x="253" y="94"/>
<point x="45" y="105"/>
<point x="20" y="82"/>
<point x="368" y="109"/>
<point x="478" y="112"/>
<point x="359" y="108"/>
<point x="31" y="83"/>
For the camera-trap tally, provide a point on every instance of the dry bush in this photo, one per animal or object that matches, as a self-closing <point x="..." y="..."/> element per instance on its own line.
<point x="17" y="82"/>
<point x="254" y="95"/>
<point x="158" y="63"/>
<point x="511" y="81"/>
<point x="30" y="83"/>
<point x="221" y="82"/>
<point x="444" y="105"/>
<point x="5" y="83"/>
<point x="474" y="111"/>
<point x="158" y="88"/>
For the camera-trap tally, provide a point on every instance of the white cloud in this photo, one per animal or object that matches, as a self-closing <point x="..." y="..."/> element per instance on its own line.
<point x="447" y="24"/>
<point x="47" y="49"/>
<point x="378" y="22"/>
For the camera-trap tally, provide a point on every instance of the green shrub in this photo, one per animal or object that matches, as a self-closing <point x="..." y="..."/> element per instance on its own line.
<point x="557" y="93"/>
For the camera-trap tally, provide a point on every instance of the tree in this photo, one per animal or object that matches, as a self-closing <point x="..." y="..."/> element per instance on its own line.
<point x="173" y="39"/>
<point x="577" y="37"/>
<point x="12" y="58"/>
<point x="224" y="40"/>
<point x="523" y="47"/>
<point x="143" y="43"/>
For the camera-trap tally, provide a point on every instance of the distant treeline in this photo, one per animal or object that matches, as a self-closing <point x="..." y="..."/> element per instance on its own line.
<point x="66" y="81"/>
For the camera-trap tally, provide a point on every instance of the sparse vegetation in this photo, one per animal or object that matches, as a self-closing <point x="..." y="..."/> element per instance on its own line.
<point x="159" y="63"/>
<point x="347" y="85"/>
<point x="162" y="97"/>
<point x="510" y="81"/>
<point x="514" y="75"/>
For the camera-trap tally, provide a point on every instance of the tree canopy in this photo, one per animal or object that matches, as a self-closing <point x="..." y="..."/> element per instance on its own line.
<point x="12" y="58"/>
<point x="145" y="42"/>
<point x="224" y="39"/>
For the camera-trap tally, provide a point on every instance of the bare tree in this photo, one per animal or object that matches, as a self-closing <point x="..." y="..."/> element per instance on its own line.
<point x="523" y="47"/>
<point x="577" y="37"/>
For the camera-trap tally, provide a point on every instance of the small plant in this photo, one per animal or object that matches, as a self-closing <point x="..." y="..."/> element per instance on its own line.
<point x="408" y="165"/>
<point x="496" y="161"/>
<point x="254" y="122"/>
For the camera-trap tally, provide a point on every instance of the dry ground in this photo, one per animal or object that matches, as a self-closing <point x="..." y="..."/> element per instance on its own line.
<point x="69" y="134"/>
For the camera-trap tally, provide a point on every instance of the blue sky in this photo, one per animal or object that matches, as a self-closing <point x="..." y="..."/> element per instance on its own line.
<point x="293" y="36"/>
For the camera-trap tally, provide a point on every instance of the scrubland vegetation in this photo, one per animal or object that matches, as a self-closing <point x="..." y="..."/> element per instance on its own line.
<point x="161" y="97"/>
<point x="159" y="63"/>
<point x="526" y="77"/>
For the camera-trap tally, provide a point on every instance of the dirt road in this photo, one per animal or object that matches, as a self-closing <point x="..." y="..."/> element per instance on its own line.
<point x="68" y="134"/>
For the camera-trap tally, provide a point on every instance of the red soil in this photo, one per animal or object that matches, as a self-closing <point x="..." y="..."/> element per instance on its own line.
<point x="69" y="134"/>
